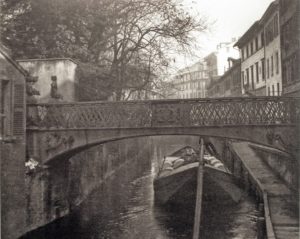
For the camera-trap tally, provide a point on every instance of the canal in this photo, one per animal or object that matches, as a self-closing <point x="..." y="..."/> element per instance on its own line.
<point x="125" y="208"/>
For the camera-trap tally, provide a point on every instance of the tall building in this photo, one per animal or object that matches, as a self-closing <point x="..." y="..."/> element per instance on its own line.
<point x="270" y="23"/>
<point x="260" y="54"/>
<point x="290" y="46"/>
<point x="252" y="53"/>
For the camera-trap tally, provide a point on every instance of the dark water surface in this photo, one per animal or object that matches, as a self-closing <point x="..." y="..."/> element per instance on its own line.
<point x="125" y="209"/>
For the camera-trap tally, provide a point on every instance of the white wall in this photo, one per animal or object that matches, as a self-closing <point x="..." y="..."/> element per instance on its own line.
<point x="63" y="69"/>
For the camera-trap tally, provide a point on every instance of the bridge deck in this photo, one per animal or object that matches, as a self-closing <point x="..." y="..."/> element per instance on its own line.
<point x="283" y="203"/>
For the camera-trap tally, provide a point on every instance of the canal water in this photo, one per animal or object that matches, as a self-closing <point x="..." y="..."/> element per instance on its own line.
<point x="126" y="209"/>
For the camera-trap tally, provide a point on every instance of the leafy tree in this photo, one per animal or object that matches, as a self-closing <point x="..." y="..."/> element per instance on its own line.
<point x="128" y="39"/>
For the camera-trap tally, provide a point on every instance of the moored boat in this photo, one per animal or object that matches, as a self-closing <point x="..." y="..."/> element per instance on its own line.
<point x="177" y="179"/>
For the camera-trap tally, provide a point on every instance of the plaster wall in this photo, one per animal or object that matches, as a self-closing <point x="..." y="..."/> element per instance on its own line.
<point x="247" y="63"/>
<point x="63" y="69"/>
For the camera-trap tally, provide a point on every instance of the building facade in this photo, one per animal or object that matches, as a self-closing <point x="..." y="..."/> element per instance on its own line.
<point x="193" y="81"/>
<point x="260" y="51"/>
<point x="12" y="146"/>
<point x="270" y="22"/>
<point x="229" y="84"/>
<point x="190" y="82"/>
<point x="216" y="62"/>
<point x="56" y="78"/>
<point x="251" y="46"/>
<point x="290" y="46"/>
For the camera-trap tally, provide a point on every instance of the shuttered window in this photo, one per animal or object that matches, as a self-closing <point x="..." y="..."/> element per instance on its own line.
<point x="5" y="108"/>
<point x="18" y="118"/>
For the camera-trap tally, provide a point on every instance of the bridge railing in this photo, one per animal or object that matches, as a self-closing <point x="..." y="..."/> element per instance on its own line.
<point x="165" y="113"/>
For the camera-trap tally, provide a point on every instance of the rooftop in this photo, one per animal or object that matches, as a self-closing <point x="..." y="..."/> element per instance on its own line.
<point x="48" y="59"/>
<point x="271" y="8"/>
<point x="257" y="25"/>
<point x="6" y="53"/>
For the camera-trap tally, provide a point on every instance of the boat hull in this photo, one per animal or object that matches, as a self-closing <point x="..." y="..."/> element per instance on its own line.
<point x="179" y="186"/>
<point x="167" y="186"/>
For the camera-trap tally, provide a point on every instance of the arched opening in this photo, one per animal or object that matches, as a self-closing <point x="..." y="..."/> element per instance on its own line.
<point x="87" y="138"/>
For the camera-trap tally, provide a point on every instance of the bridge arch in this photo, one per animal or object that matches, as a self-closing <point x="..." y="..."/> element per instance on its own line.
<point x="58" y="144"/>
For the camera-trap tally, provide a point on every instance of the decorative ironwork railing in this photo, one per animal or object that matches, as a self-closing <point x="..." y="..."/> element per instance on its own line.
<point x="165" y="113"/>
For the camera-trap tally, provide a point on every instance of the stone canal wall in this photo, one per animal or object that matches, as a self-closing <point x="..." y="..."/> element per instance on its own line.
<point x="268" y="175"/>
<point x="281" y="163"/>
<point x="54" y="191"/>
<point x="285" y="166"/>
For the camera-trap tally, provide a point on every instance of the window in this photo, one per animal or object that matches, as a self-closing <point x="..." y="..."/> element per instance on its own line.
<point x="251" y="47"/>
<point x="273" y="90"/>
<point x="247" y="76"/>
<point x="243" y="78"/>
<point x="275" y="20"/>
<point x="277" y="62"/>
<point x="247" y="50"/>
<point x="262" y="38"/>
<point x="284" y="75"/>
<point x="256" y="43"/>
<point x="227" y="84"/>
<point x="272" y="29"/>
<point x="270" y="34"/>
<point x="278" y="89"/>
<point x="257" y="72"/>
<point x="263" y="68"/>
<point x="243" y="57"/>
<point x="252" y="77"/>
<point x="268" y="68"/>
<point x="272" y="66"/>
<point x="269" y="91"/>
<point x="5" y="108"/>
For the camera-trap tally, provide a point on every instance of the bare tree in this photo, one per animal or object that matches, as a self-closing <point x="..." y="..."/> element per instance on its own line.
<point x="138" y="37"/>
<point x="128" y="39"/>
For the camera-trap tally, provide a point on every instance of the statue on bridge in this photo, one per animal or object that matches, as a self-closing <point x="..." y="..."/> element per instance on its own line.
<point x="54" y="90"/>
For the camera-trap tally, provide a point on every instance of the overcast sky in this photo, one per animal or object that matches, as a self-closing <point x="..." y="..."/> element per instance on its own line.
<point x="231" y="19"/>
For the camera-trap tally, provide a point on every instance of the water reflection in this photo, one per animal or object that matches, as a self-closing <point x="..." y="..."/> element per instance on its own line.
<point x="138" y="218"/>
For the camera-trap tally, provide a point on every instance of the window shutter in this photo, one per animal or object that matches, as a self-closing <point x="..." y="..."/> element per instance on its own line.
<point x="19" y="110"/>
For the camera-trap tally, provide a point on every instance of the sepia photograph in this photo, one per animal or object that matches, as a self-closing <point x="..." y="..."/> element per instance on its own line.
<point x="149" y="119"/>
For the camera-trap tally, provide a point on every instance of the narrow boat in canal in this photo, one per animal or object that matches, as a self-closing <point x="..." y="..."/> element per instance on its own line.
<point x="176" y="180"/>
